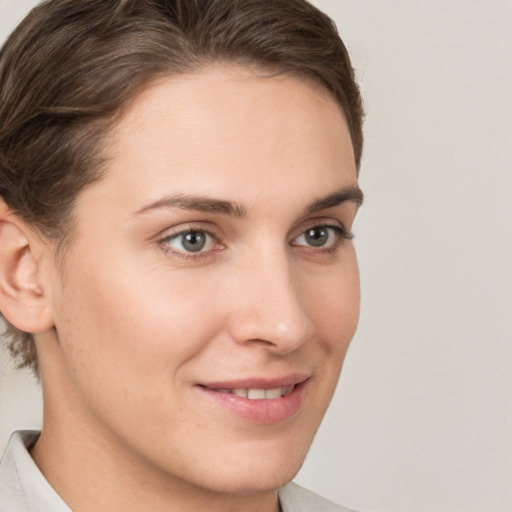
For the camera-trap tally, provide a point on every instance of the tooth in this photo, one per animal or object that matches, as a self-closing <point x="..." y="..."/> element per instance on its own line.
<point x="287" y="390"/>
<point x="256" y="394"/>
<point x="240" y="392"/>
<point x="273" y="393"/>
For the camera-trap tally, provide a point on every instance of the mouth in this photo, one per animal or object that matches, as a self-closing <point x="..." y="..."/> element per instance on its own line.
<point x="258" y="401"/>
<point x="256" y="393"/>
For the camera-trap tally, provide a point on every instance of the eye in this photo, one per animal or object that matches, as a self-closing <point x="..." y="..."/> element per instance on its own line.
<point x="324" y="237"/>
<point x="190" y="241"/>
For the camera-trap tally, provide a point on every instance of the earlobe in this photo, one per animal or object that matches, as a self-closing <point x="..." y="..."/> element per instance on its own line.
<point x="23" y="301"/>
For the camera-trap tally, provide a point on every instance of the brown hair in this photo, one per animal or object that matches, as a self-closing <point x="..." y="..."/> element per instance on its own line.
<point x="71" y="66"/>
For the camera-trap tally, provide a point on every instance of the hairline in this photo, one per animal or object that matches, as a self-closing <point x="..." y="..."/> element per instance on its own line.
<point x="106" y="128"/>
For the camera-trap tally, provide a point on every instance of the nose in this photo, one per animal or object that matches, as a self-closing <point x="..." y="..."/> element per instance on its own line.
<point x="268" y="305"/>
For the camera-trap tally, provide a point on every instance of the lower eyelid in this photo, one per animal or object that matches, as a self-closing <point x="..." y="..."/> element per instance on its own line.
<point x="340" y="232"/>
<point x="166" y="241"/>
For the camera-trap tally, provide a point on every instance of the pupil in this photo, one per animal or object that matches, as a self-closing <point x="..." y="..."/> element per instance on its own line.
<point x="317" y="236"/>
<point x="194" y="241"/>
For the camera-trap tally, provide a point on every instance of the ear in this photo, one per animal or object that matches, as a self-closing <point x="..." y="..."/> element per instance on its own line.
<point x="23" y="300"/>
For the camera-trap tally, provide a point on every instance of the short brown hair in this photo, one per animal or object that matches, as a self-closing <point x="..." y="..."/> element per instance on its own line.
<point x="72" y="65"/>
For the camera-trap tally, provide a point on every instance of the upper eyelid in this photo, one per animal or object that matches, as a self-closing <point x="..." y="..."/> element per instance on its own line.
<point x="171" y="232"/>
<point x="213" y="230"/>
<point x="340" y="232"/>
<point x="164" y="243"/>
<point x="318" y="222"/>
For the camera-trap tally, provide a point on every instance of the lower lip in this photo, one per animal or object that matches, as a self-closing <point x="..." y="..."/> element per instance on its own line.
<point x="264" y="411"/>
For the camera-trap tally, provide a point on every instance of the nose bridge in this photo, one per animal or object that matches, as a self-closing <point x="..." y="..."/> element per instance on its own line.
<point x="269" y="304"/>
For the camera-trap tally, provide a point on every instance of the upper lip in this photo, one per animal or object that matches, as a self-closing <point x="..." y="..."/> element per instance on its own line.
<point x="258" y="382"/>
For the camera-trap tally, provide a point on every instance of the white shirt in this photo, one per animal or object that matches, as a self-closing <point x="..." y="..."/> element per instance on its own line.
<point x="23" y="488"/>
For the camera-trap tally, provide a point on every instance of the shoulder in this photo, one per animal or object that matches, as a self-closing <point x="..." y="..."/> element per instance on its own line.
<point x="22" y="486"/>
<point x="294" y="498"/>
<point x="11" y="489"/>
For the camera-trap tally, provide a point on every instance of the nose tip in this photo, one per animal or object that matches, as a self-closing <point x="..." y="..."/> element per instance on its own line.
<point x="277" y="330"/>
<point x="270" y="311"/>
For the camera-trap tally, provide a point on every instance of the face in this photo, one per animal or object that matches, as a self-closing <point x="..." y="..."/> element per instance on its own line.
<point x="211" y="293"/>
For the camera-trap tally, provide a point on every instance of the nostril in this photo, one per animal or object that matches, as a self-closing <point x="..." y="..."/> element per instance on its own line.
<point x="268" y="312"/>
<point x="263" y="343"/>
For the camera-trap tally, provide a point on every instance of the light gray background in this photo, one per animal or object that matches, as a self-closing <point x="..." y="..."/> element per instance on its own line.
<point x="422" y="419"/>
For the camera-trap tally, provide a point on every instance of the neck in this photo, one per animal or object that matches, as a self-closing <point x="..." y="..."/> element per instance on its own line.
<point x="74" y="467"/>
<point x="90" y="468"/>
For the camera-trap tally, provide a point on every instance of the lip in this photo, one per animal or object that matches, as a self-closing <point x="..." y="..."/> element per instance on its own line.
<point x="263" y="411"/>
<point x="258" y="382"/>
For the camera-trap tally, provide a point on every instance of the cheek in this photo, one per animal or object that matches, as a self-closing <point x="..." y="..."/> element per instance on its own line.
<point x="133" y="338"/>
<point x="132" y="328"/>
<point x="333" y="302"/>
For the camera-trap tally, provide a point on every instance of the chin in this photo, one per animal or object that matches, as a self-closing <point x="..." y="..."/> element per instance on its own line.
<point x="253" y="482"/>
<point x="261" y="472"/>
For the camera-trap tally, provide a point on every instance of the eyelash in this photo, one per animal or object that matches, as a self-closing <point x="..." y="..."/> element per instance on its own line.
<point x="341" y="234"/>
<point x="164" y="242"/>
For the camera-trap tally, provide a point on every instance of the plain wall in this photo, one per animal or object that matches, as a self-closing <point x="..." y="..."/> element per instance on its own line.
<point x="422" y="419"/>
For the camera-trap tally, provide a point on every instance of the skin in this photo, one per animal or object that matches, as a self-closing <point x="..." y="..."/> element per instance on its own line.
<point x="135" y="322"/>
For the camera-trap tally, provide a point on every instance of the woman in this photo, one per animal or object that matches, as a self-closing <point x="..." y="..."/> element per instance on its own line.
<point x="178" y="181"/>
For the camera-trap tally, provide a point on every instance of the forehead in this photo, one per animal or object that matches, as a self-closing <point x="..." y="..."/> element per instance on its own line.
<point x="218" y="129"/>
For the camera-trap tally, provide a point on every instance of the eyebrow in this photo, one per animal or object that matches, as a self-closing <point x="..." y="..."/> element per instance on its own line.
<point x="347" y="194"/>
<point x="209" y="205"/>
<point x="197" y="203"/>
